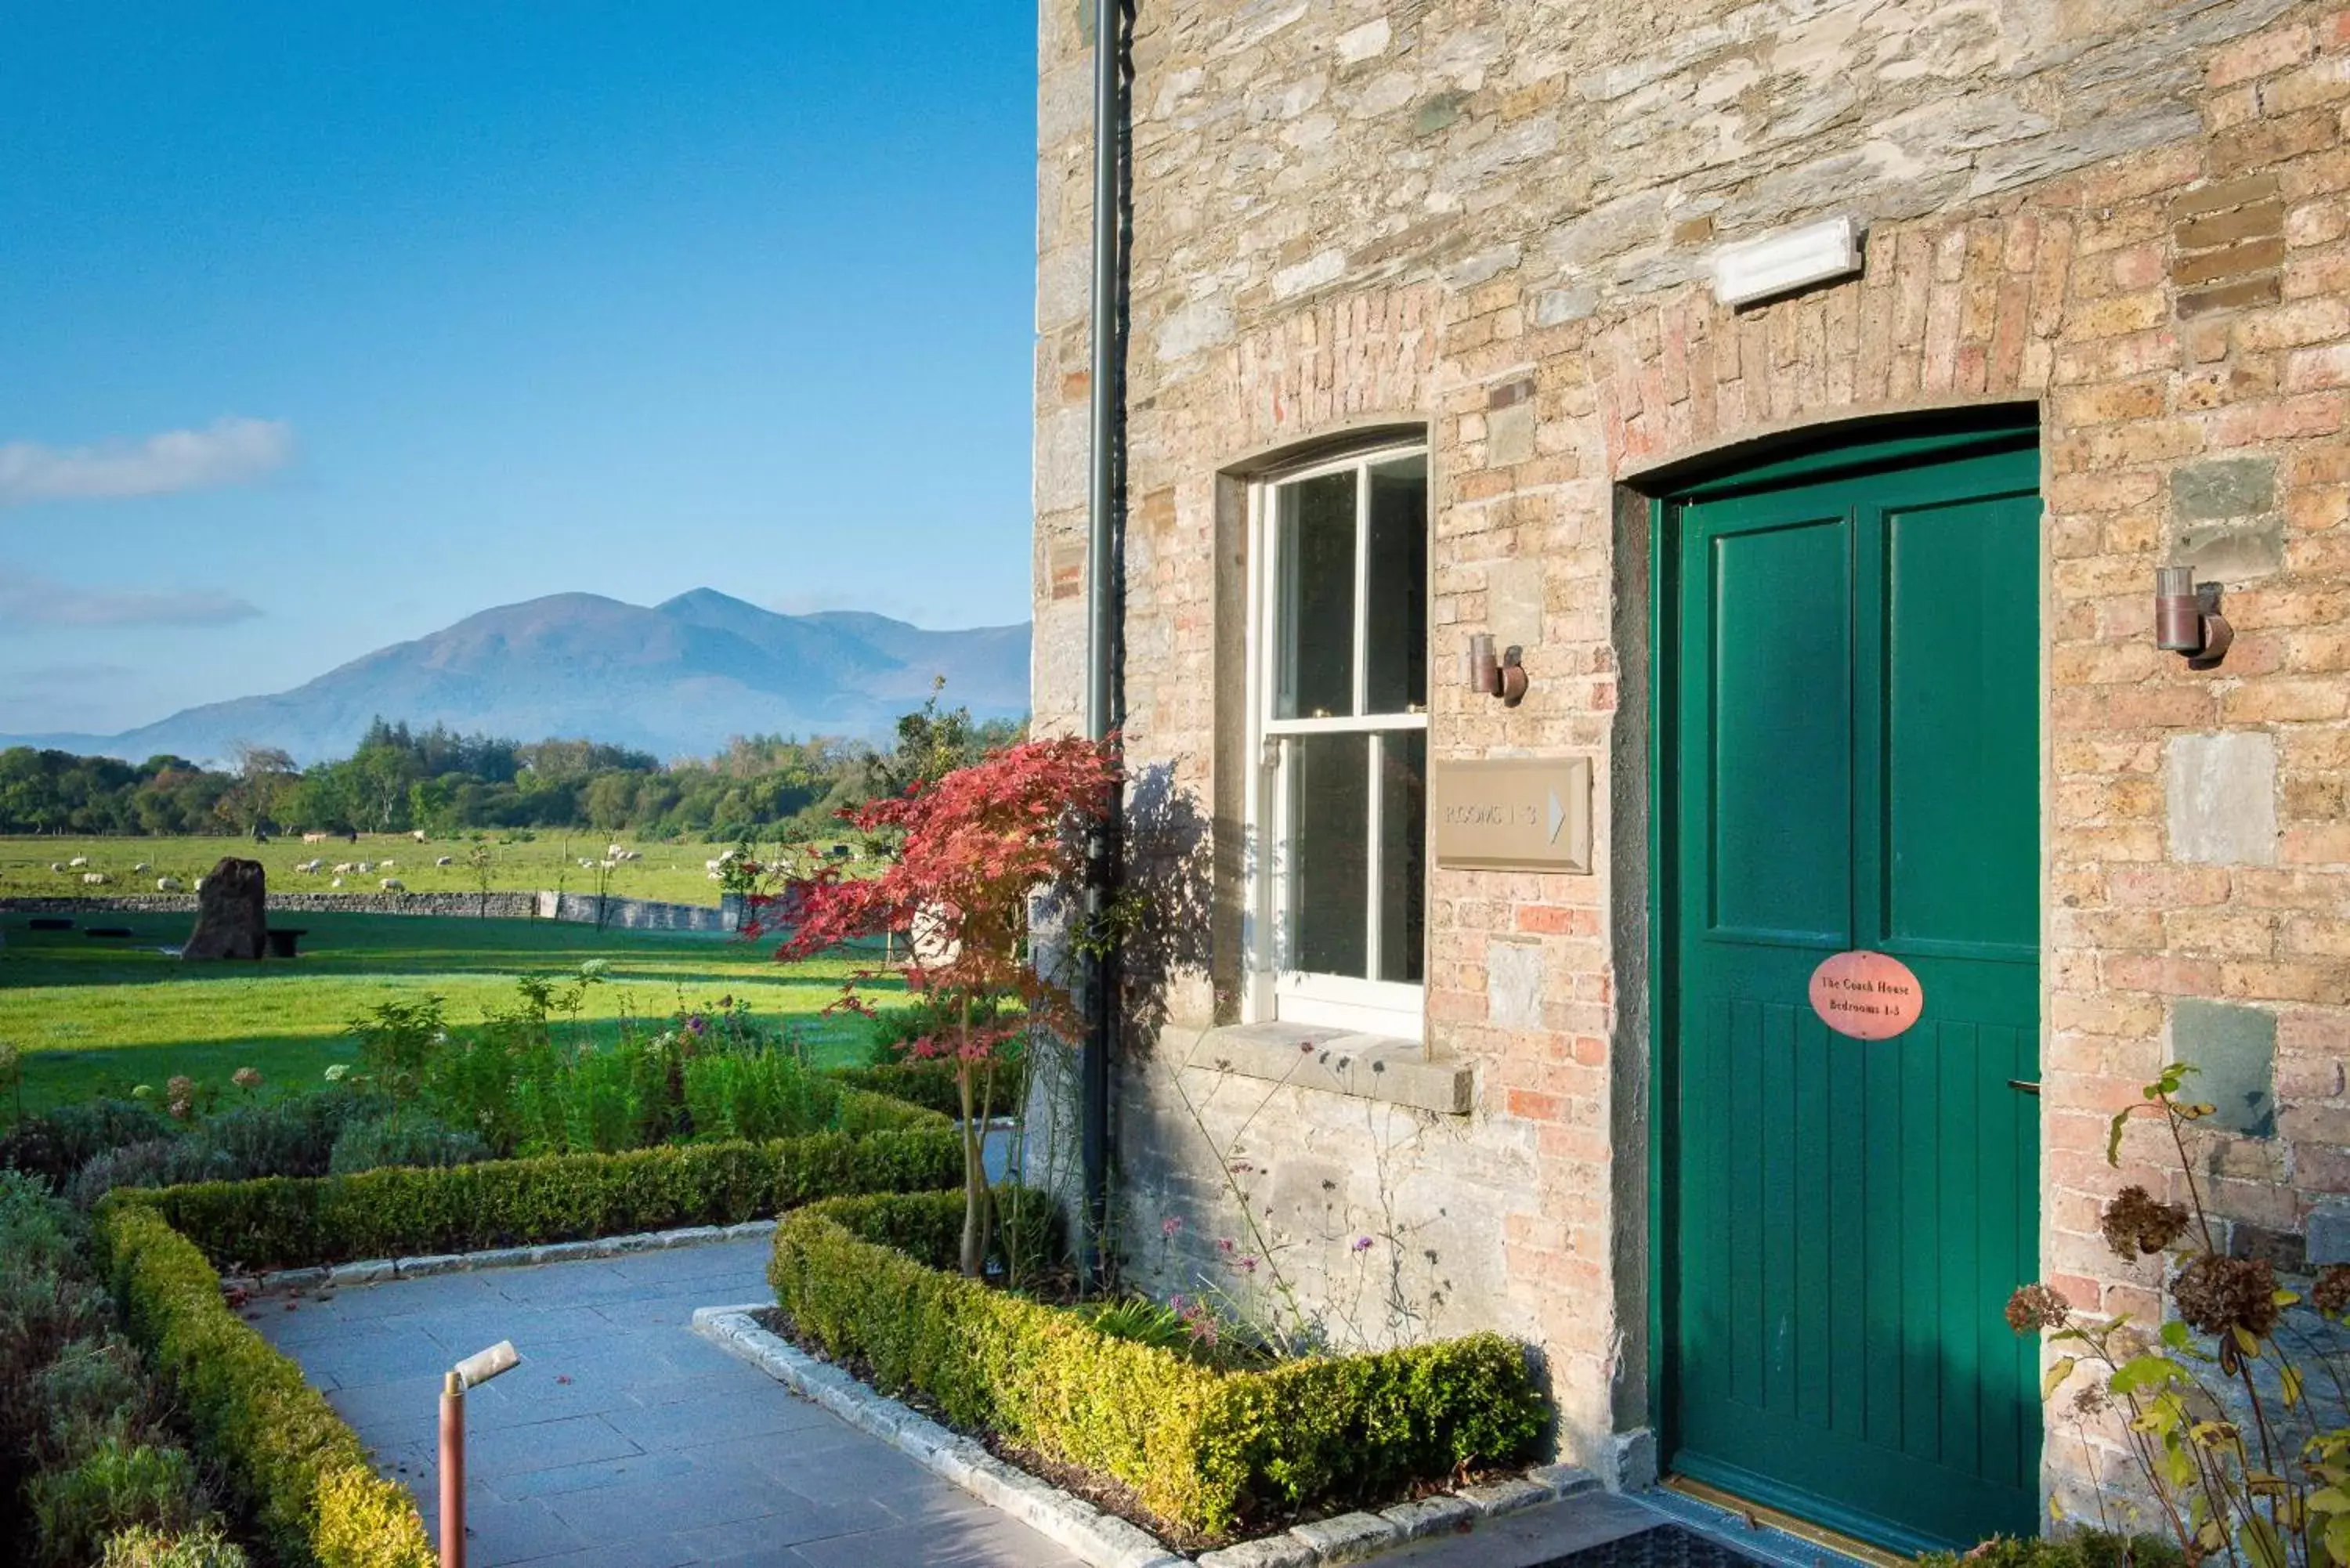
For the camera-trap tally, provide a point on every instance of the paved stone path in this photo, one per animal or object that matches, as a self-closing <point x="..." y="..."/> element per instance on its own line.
<point x="624" y="1439"/>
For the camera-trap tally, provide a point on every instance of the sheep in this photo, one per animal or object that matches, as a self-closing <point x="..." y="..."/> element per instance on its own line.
<point x="418" y="835"/>
<point x="78" y="861"/>
<point x="607" y="865"/>
<point x="316" y="837"/>
<point x="585" y="863"/>
<point x="58" y="867"/>
<point x="364" y="868"/>
<point x="140" y="869"/>
<point x="386" y="866"/>
<point x="614" y="850"/>
<point x="392" y="885"/>
<point x="335" y="883"/>
<point x="308" y="867"/>
<point x="93" y="878"/>
<point x="167" y="884"/>
<point x="711" y="865"/>
<point x="446" y="860"/>
<point x="716" y="876"/>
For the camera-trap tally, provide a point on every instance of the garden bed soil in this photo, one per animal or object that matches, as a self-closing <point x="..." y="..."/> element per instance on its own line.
<point x="1103" y="1492"/>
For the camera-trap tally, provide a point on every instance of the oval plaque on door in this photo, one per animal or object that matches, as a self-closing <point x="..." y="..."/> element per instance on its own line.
<point x="1867" y="995"/>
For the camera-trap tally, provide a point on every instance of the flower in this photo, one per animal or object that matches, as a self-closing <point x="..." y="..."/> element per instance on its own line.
<point x="246" y="1078"/>
<point x="2332" y="1294"/>
<point x="2035" y="1307"/>
<point x="2136" y="1225"/>
<point x="1362" y="1244"/>
<point x="1224" y="1245"/>
<point x="2216" y="1294"/>
<point x="1171" y="1225"/>
<point x="339" y="1072"/>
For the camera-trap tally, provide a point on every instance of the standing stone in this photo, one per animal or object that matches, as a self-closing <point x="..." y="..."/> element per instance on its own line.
<point x="231" y="917"/>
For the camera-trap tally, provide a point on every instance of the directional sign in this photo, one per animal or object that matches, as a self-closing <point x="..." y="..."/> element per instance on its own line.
<point x="1512" y="813"/>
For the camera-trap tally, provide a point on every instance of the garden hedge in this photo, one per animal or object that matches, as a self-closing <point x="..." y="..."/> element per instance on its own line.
<point x="292" y="1467"/>
<point x="402" y="1211"/>
<point x="929" y="1083"/>
<point x="1202" y="1448"/>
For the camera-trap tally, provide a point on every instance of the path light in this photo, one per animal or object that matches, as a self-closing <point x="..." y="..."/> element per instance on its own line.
<point x="2187" y="617"/>
<point x="471" y="1373"/>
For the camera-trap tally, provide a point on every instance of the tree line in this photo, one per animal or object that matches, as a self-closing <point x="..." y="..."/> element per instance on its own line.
<point x="401" y="778"/>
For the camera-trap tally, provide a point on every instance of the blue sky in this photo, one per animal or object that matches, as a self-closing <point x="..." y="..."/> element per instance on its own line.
<point x="327" y="325"/>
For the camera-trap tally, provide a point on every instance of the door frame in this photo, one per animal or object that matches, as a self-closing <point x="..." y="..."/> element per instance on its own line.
<point x="1819" y="451"/>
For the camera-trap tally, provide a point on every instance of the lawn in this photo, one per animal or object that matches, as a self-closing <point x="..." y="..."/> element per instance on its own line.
<point x="96" y="1014"/>
<point x="675" y="873"/>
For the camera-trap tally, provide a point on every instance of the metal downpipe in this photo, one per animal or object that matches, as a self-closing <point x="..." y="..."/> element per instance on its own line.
<point x="1104" y="570"/>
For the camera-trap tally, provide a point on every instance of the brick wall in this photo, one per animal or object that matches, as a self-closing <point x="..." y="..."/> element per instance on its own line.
<point x="1490" y="219"/>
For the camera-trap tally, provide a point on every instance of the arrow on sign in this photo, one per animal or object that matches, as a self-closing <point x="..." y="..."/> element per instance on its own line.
<point x="1557" y="817"/>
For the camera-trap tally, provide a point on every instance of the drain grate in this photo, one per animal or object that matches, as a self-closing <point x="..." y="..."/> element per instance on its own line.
<point x="1666" y="1546"/>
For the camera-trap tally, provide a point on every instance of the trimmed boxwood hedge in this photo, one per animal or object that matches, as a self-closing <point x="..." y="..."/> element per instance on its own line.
<point x="402" y="1211"/>
<point x="929" y="1083"/>
<point x="1202" y="1448"/>
<point x="291" y="1464"/>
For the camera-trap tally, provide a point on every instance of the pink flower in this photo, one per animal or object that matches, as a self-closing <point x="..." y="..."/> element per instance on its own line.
<point x="1171" y="1225"/>
<point x="1362" y="1244"/>
<point x="246" y="1078"/>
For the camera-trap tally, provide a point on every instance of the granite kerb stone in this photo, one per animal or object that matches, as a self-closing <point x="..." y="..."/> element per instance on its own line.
<point x="377" y="1271"/>
<point x="1105" y="1540"/>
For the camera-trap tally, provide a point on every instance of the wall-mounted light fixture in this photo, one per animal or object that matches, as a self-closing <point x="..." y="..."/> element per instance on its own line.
<point x="2187" y="617"/>
<point x="1503" y="677"/>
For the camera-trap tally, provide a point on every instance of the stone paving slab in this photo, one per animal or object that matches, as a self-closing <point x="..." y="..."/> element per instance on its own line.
<point x="624" y="1440"/>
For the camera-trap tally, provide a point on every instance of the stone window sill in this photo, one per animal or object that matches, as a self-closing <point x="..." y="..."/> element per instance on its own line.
<point x="1366" y="1066"/>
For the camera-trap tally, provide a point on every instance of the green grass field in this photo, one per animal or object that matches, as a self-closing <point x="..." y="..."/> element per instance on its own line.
<point x="94" y="1014"/>
<point x="675" y="873"/>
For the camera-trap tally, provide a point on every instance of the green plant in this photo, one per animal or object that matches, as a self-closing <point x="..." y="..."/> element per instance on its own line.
<point x="399" y="1211"/>
<point x="416" y="1140"/>
<point x="56" y="1145"/>
<point x="2249" y="1468"/>
<point x="1203" y="1448"/>
<point x="2081" y="1549"/>
<point x="396" y="1041"/>
<point x="158" y="1162"/>
<point x="117" y="1484"/>
<point x="94" y="1390"/>
<point x="758" y="1096"/>
<point x="200" y="1545"/>
<point x="291" y="1464"/>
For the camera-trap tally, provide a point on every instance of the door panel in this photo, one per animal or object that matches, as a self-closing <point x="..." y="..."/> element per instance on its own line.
<point x="1852" y="762"/>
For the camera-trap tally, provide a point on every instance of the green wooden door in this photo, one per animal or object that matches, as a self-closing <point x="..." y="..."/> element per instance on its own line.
<point x="1851" y="761"/>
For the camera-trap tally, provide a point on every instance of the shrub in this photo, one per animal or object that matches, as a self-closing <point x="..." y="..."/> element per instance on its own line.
<point x="93" y="1391"/>
<point x="290" y="1462"/>
<point x="117" y="1484"/>
<point x="412" y="1140"/>
<point x="930" y="1084"/>
<point x="1202" y="1448"/>
<point x="292" y="1137"/>
<point x="53" y="1145"/>
<point x="275" y="1222"/>
<point x="200" y="1545"/>
<point x="2081" y="1549"/>
<point x="758" y="1098"/>
<point x="157" y="1162"/>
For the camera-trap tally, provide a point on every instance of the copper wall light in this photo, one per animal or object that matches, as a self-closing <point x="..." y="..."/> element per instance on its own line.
<point x="2187" y="617"/>
<point x="1503" y="677"/>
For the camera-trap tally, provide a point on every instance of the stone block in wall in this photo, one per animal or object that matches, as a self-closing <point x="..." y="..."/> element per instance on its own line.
<point x="2224" y="520"/>
<point x="1514" y="985"/>
<point x="2233" y="1050"/>
<point x="2221" y="791"/>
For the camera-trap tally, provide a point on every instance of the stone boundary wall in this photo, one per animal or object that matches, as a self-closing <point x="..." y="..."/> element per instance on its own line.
<point x="622" y="914"/>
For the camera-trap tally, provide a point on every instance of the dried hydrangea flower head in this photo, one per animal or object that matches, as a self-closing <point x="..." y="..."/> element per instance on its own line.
<point x="2035" y="1307"/>
<point x="2137" y="1225"/>
<point x="2216" y="1294"/>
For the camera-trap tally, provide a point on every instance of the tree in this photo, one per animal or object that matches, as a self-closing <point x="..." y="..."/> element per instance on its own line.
<point x="264" y="775"/>
<point x="972" y="849"/>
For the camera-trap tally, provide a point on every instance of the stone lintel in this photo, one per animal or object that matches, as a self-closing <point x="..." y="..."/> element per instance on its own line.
<point x="1368" y="1067"/>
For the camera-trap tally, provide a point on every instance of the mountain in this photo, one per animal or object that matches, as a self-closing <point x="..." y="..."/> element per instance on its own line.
<point x="676" y="680"/>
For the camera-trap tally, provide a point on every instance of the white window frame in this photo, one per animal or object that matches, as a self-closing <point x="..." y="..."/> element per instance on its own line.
<point x="1272" y="989"/>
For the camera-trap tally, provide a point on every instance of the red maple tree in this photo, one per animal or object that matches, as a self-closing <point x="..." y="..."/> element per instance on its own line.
<point x="974" y="847"/>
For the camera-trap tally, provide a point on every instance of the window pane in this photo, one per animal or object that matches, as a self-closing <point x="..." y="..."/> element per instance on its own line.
<point x="1396" y="649"/>
<point x="1329" y="849"/>
<point x="1403" y="841"/>
<point x="1316" y="634"/>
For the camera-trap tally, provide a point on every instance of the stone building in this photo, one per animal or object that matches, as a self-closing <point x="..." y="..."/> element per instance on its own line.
<point x="1835" y="617"/>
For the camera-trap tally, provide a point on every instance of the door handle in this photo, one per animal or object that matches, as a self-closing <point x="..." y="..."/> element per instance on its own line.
<point x="2024" y="1087"/>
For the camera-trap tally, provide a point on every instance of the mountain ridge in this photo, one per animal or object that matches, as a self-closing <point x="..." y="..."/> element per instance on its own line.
<point x="676" y="679"/>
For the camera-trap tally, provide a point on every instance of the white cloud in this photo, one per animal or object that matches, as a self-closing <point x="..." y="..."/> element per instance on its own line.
<point x="27" y="601"/>
<point x="232" y="452"/>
